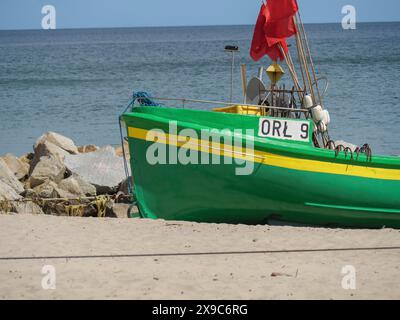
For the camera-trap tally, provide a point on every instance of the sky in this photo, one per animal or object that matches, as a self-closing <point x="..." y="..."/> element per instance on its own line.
<point x="26" y="14"/>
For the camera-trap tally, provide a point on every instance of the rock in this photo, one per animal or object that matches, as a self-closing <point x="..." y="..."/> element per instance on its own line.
<point x="87" y="149"/>
<point x="18" y="167"/>
<point x="27" y="208"/>
<point x="48" y="168"/>
<point x="8" y="177"/>
<point x="59" y="140"/>
<point x="47" y="149"/>
<point x="29" y="193"/>
<point x="27" y="158"/>
<point x="100" y="190"/>
<point x="119" y="151"/>
<point x="7" y="192"/>
<point x="27" y="184"/>
<point x="120" y="210"/>
<point x="101" y="168"/>
<point x="123" y="186"/>
<point x="76" y="186"/>
<point x="69" y="188"/>
<point x="64" y="194"/>
<point x="90" y="211"/>
<point x="58" y="210"/>
<point x="47" y="189"/>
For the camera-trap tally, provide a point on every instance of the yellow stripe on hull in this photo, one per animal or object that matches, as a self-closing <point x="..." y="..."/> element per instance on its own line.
<point x="266" y="157"/>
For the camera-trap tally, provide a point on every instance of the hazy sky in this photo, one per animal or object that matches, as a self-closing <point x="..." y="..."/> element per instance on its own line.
<point x="26" y="14"/>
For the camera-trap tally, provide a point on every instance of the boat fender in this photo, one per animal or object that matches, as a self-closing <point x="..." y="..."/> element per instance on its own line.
<point x="326" y="117"/>
<point x="317" y="113"/>
<point x="308" y="103"/>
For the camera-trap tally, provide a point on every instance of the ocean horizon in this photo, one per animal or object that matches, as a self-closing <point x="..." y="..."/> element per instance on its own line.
<point x="188" y="26"/>
<point x="77" y="81"/>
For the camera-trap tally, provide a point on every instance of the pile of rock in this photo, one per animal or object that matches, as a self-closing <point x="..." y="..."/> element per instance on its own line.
<point x="56" y="169"/>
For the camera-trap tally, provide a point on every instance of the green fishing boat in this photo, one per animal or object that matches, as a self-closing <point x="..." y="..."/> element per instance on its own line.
<point x="266" y="159"/>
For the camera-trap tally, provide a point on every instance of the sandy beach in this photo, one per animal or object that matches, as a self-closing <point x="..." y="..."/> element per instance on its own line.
<point x="143" y="259"/>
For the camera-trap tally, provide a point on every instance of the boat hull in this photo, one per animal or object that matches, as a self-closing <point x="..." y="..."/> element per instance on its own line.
<point x="293" y="186"/>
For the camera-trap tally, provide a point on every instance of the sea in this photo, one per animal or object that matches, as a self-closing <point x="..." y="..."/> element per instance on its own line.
<point x="78" y="81"/>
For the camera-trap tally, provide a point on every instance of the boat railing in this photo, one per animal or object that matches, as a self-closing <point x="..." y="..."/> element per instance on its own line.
<point x="184" y="104"/>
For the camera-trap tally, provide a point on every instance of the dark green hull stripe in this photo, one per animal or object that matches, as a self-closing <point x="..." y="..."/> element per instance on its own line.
<point x="380" y="210"/>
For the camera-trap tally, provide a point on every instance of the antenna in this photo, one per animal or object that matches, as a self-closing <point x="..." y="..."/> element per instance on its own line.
<point x="233" y="50"/>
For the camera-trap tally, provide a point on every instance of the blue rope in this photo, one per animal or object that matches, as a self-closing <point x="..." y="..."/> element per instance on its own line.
<point x="144" y="99"/>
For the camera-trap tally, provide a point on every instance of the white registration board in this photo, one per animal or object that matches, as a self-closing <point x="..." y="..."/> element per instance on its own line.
<point x="285" y="129"/>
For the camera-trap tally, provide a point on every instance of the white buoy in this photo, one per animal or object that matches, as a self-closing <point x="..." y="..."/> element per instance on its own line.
<point x="317" y="113"/>
<point x="326" y="117"/>
<point x="308" y="102"/>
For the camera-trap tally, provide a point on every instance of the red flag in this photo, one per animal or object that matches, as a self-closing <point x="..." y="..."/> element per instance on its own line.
<point x="279" y="20"/>
<point x="274" y="24"/>
<point x="281" y="9"/>
<point x="259" y="44"/>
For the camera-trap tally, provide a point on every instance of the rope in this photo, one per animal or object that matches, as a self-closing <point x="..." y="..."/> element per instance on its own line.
<point x="101" y="203"/>
<point x="74" y="210"/>
<point x="347" y="150"/>
<point x="183" y="254"/>
<point x="37" y="199"/>
<point x="144" y="99"/>
<point x="5" y="206"/>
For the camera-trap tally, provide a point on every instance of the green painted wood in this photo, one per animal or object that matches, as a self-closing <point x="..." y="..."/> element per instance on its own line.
<point x="214" y="193"/>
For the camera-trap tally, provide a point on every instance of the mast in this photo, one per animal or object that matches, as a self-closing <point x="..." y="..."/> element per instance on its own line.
<point x="310" y="80"/>
<point x="277" y="21"/>
<point x="301" y="38"/>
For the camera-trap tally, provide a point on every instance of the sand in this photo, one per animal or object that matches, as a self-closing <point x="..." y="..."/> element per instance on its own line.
<point x="298" y="275"/>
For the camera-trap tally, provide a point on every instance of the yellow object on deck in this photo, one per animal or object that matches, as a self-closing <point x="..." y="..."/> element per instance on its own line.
<point x="246" y="110"/>
<point x="275" y="73"/>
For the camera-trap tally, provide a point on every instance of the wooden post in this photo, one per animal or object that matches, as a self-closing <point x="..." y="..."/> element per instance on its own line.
<point x="244" y="82"/>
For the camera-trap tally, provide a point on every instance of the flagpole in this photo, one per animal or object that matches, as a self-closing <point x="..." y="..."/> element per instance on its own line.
<point x="304" y="60"/>
<point x="292" y="71"/>
<point x="311" y="60"/>
<point x="299" y="57"/>
<point x="290" y="67"/>
<point x="297" y="78"/>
